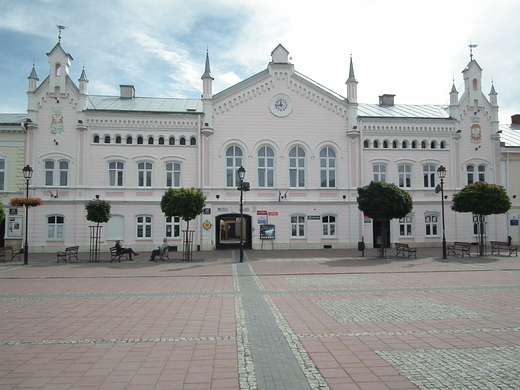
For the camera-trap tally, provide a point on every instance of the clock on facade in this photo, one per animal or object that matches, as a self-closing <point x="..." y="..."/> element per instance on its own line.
<point x="280" y="105"/>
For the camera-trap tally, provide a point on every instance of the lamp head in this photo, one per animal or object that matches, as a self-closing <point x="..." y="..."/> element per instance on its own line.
<point x="27" y="172"/>
<point x="441" y="172"/>
<point x="241" y="173"/>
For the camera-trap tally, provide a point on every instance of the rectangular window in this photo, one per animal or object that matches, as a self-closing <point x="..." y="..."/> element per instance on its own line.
<point x="328" y="224"/>
<point x="55" y="227"/>
<point x="379" y="171"/>
<point x="298" y="226"/>
<point x="144" y="174"/>
<point x="405" y="226"/>
<point x="64" y="173"/>
<point x="173" y="175"/>
<point x="405" y="176"/>
<point x="115" y="173"/>
<point x="173" y="227"/>
<point x="144" y="227"/>
<point x="2" y="175"/>
<point x="430" y="223"/>
<point x="49" y="173"/>
<point x="429" y="174"/>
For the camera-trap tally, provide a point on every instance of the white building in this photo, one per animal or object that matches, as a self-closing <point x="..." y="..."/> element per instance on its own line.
<point x="305" y="149"/>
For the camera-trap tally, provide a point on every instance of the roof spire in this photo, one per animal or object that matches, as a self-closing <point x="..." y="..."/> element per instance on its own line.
<point x="207" y="70"/>
<point x="351" y="77"/>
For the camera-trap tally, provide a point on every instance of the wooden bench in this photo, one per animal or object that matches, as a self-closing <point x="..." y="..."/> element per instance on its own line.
<point x="68" y="254"/>
<point x="462" y="248"/>
<point x="15" y="253"/>
<point x="402" y="249"/>
<point x="496" y="245"/>
<point x="163" y="255"/>
<point x="115" y="255"/>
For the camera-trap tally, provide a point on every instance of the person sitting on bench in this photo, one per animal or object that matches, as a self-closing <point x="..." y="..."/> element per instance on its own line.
<point x="121" y="249"/>
<point x="161" y="249"/>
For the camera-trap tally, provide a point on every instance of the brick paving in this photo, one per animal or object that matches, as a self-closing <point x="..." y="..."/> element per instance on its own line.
<point x="318" y="319"/>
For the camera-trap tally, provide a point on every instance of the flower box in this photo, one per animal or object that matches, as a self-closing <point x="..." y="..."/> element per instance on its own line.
<point x="29" y="202"/>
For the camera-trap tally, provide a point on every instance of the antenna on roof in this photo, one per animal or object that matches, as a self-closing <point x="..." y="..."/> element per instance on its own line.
<point x="60" y="27"/>
<point x="471" y="47"/>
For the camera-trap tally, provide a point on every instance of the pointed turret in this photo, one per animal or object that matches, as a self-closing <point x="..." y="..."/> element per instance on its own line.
<point x="352" y="103"/>
<point x="351" y="83"/>
<point x="454" y="102"/>
<point x="33" y="80"/>
<point x="493" y="96"/>
<point x="83" y="90"/>
<point x="207" y="97"/>
<point x="60" y="63"/>
<point x="472" y="83"/>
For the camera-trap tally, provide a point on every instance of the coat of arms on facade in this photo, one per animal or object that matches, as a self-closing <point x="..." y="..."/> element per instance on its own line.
<point x="57" y="127"/>
<point x="476" y="133"/>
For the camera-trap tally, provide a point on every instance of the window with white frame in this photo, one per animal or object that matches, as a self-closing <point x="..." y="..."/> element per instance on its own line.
<point x="328" y="226"/>
<point x="327" y="168"/>
<point x="173" y="175"/>
<point x="116" y="171"/>
<point x="297" y="226"/>
<point x="2" y="174"/>
<point x="406" y="226"/>
<point x="476" y="173"/>
<point x="144" y="226"/>
<point x="297" y="167"/>
<point x="56" y="173"/>
<point x="55" y="227"/>
<point x="405" y="175"/>
<point x="431" y="225"/>
<point x="173" y="227"/>
<point x="265" y="167"/>
<point x="233" y="162"/>
<point x="429" y="175"/>
<point x="144" y="174"/>
<point x="379" y="171"/>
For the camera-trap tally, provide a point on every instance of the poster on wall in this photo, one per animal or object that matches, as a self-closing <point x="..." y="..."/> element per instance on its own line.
<point x="14" y="227"/>
<point x="267" y="232"/>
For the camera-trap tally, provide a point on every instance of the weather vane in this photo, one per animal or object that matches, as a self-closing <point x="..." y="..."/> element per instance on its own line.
<point x="60" y="27"/>
<point x="471" y="47"/>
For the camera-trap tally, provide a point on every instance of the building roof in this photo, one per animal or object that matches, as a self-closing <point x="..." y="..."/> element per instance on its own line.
<point x="403" y="111"/>
<point x="510" y="135"/>
<point x="12" y="119"/>
<point x="138" y="104"/>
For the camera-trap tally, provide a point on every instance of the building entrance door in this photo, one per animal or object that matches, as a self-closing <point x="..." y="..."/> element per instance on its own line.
<point x="229" y="230"/>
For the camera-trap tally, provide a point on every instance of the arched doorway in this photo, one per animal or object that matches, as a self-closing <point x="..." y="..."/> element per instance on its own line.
<point x="228" y="231"/>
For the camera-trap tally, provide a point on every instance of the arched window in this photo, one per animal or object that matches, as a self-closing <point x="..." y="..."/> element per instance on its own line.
<point x="475" y="85"/>
<point x="182" y="141"/>
<point x="376" y="144"/>
<point x="394" y="144"/>
<point x="118" y="139"/>
<point x="140" y="140"/>
<point x="129" y="140"/>
<point x="327" y="168"/>
<point x="424" y="145"/>
<point x="297" y="167"/>
<point x="171" y="141"/>
<point x="433" y="144"/>
<point x="150" y="140"/>
<point x="233" y="162"/>
<point x="385" y="144"/>
<point x="365" y="144"/>
<point x="96" y="139"/>
<point x="265" y="167"/>
<point x="193" y="141"/>
<point x="414" y="144"/>
<point x="443" y="144"/>
<point x="405" y="144"/>
<point x="107" y="139"/>
<point x="161" y="140"/>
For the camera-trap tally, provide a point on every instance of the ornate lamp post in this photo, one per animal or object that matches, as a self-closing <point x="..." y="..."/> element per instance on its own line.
<point x="441" y="172"/>
<point x="27" y="174"/>
<point x="241" y="176"/>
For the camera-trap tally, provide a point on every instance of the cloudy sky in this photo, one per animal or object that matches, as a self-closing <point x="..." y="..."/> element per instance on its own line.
<point x="411" y="48"/>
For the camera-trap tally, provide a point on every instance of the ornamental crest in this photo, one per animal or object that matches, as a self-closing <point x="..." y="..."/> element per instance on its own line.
<point x="476" y="133"/>
<point x="57" y="126"/>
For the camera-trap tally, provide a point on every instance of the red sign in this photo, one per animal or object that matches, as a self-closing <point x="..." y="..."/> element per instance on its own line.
<point x="273" y="213"/>
<point x="261" y="212"/>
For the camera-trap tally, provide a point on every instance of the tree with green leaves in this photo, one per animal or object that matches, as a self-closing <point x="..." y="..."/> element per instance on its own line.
<point x="481" y="199"/>
<point x="97" y="211"/>
<point x="187" y="204"/>
<point x="384" y="202"/>
<point x="2" y="212"/>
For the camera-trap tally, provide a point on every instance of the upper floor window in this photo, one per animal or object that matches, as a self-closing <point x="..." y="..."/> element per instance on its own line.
<point x="150" y="140"/>
<point x="96" y="139"/>
<point x="379" y="171"/>
<point x="144" y="226"/>
<point x="161" y="140"/>
<point x="2" y="174"/>
<point x="385" y="144"/>
<point x="116" y="173"/>
<point x="328" y="226"/>
<point x="297" y="167"/>
<point x="405" y="175"/>
<point x="182" y="141"/>
<point x="118" y="139"/>
<point x="140" y="140"/>
<point x="265" y="167"/>
<point x="171" y="141"/>
<point x="56" y="173"/>
<point x="107" y="139"/>
<point x="193" y="141"/>
<point x="476" y="173"/>
<point x="327" y="167"/>
<point x="144" y="174"/>
<point x="173" y="175"/>
<point x="233" y="162"/>
<point x="129" y="140"/>
<point x="429" y="175"/>
<point x="55" y="227"/>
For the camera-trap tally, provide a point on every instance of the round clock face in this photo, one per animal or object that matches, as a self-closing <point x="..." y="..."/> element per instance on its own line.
<point x="280" y="105"/>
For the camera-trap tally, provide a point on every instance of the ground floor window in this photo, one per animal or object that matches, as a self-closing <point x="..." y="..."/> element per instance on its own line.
<point x="430" y="223"/>
<point x="55" y="227"/>
<point x="479" y="224"/>
<point x="298" y="226"/>
<point x="328" y="224"/>
<point x="173" y="227"/>
<point x="144" y="226"/>
<point x="405" y="226"/>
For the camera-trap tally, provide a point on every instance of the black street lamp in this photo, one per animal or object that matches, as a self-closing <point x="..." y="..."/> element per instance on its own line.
<point x="27" y="174"/>
<point x="241" y="176"/>
<point x="441" y="172"/>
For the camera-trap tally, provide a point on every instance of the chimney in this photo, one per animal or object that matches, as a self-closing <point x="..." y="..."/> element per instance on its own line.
<point x="386" y="100"/>
<point x="515" y="119"/>
<point x="127" y="91"/>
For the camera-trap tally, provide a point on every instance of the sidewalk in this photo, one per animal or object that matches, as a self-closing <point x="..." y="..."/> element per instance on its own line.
<point x="323" y="319"/>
